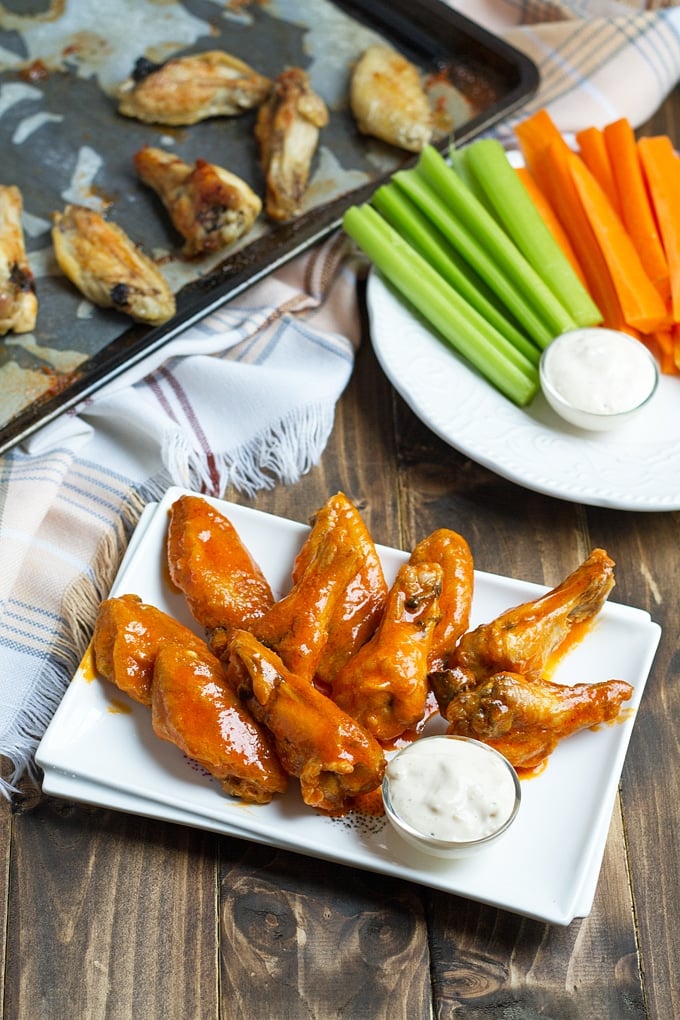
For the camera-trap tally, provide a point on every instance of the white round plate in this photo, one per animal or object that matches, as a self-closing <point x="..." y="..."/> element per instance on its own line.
<point x="636" y="467"/>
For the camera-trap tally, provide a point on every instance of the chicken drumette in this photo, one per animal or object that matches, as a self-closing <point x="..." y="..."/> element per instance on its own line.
<point x="185" y="90"/>
<point x="208" y="205"/>
<point x="496" y="688"/>
<point x="18" y="301"/>
<point x="287" y="132"/>
<point x="334" y="758"/>
<point x="108" y="268"/>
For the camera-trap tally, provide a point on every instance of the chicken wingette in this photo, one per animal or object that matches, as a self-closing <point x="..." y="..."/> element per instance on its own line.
<point x="128" y="635"/>
<point x="18" y="301"/>
<point x="108" y="268"/>
<point x="388" y="100"/>
<point x="223" y="585"/>
<point x="193" y="707"/>
<point x="185" y="90"/>
<point x="287" y="132"/>
<point x="357" y="613"/>
<point x="209" y="206"/>
<point x="384" y="686"/>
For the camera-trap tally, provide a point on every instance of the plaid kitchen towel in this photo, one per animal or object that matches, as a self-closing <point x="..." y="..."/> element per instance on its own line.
<point x="248" y="395"/>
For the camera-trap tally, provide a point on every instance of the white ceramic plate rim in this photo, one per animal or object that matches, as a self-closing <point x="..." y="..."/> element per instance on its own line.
<point x="636" y="467"/>
<point x="114" y="759"/>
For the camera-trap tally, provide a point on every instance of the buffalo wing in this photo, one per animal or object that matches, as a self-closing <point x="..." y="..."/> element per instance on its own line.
<point x="525" y="719"/>
<point x="384" y="685"/>
<point x="193" y="707"/>
<point x="334" y="758"/>
<point x="452" y="553"/>
<point x="128" y="636"/>
<point x="223" y="585"/>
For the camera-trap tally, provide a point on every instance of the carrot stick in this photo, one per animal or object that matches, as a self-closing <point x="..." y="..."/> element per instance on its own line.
<point x="548" y="216"/>
<point x="593" y="152"/>
<point x="554" y="178"/>
<point x="534" y="135"/>
<point x="661" y="170"/>
<point x="636" y="210"/>
<point x="642" y="305"/>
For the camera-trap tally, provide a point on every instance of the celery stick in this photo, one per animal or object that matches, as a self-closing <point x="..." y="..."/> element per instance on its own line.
<point x="432" y="167"/>
<point x="488" y="164"/>
<point x="457" y="322"/>
<point x="437" y="211"/>
<point x="415" y="228"/>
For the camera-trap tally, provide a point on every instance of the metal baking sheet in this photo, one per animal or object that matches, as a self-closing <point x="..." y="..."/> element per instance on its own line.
<point x="62" y="140"/>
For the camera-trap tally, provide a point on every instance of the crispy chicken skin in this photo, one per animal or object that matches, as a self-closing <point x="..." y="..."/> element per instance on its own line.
<point x="334" y="758"/>
<point x="357" y="614"/>
<point x="208" y="205"/>
<point x="193" y="707"/>
<point x="452" y="553"/>
<point x="223" y="585"/>
<point x="529" y="637"/>
<point x="185" y="90"/>
<point x="384" y="686"/>
<point x="103" y="263"/>
<point x="526" y="719"/>
<point x="128" y="636"/>
<point x="287" y="132"/>
<point x="18" y="301"/>
<point x="388" y="100"/>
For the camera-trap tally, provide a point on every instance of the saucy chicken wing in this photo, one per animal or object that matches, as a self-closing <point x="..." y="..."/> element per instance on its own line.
<point x="223" y="585"/>
<point x="388" y="100"/>
<point x="356" y="615"/>
<point x="384" y="686"/>
<point x="185" y="90"/>
<point x="18" y="301"/>
<point x="334" y="758"/>
<point x="128" y="635"/>
<point x="193" y="707"/>
<point x="287" y="133"/>
<point x="531" y="637"/>
<point x="452" y="553"/>
<point x="209" y="206"/>
<point x="104" y="264"/>
<point x="296" y="626"/>
<point x="526" y="719"/>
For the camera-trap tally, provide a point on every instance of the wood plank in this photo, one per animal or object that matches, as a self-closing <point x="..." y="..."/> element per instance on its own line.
<point x="110" y="916"/>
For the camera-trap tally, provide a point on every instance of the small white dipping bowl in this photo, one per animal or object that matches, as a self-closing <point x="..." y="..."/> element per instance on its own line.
<point x="450" y="796"/>
<point x="597" y="378"/>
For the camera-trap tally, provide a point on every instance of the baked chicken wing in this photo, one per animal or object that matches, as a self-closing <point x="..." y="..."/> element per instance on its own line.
<point x="334" y="758"/>
<point x="287" y="132"/>
<point x="358" y="612"/>
<point x="208" y="205"/>
<point x="388" y="100"/>
<point x="452" y="553"/>
<point x="18" y="301"/>
<point x="103" y="263"/>
<point x="185" y="90"/>
<point x="384" y="686"/>
<point x="128" y="635"/>
<point x="223" y="585"/>
<point x="193" y="707"/>
<point x="526" y="719"/>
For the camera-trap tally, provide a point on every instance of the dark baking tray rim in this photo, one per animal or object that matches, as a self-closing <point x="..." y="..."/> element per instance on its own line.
<point x="425" y="28"/>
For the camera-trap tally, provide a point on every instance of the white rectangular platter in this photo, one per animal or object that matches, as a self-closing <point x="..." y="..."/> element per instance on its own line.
<point x="100" y="748"/>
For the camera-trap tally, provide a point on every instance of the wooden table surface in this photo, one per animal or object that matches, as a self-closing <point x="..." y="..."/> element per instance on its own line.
<point x="112" y="916"/>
